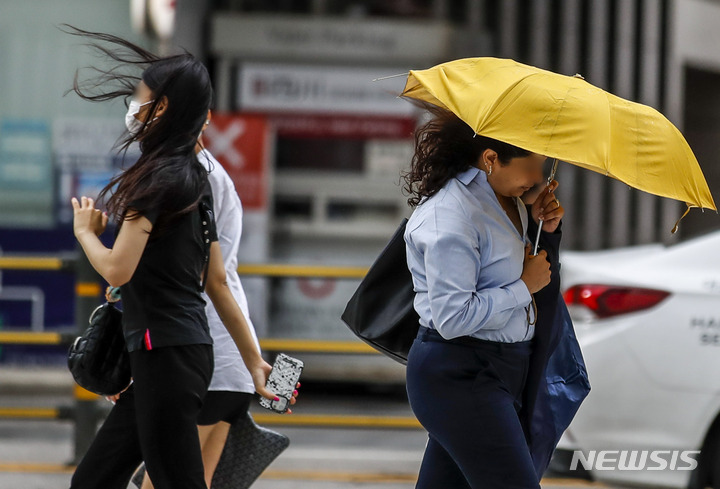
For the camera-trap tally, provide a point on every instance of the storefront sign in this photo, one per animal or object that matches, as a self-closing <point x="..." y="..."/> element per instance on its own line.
<point x="240" y="144"/>
<point x="342" y="127"/>
<point x="326" y="90"/>
<point x="294" y="37"/>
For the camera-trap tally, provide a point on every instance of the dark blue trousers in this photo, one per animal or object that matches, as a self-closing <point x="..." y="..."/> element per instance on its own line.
<point x="467" y="393"/>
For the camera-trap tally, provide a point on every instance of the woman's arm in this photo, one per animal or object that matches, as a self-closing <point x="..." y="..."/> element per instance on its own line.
<point x="117" y="264"/>
<point x="234" y="320"/>
<point x="448" y="246"/>
<point x="452" y="266"/>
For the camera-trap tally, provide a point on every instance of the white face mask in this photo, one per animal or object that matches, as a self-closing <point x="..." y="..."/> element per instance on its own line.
<point x="131" y="123"/>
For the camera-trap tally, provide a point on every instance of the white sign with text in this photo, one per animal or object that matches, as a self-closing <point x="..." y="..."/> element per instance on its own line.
<point x="318" y="89"/>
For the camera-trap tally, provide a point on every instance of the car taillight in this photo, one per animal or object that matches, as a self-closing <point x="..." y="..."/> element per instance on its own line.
<point x="609" y="300"/>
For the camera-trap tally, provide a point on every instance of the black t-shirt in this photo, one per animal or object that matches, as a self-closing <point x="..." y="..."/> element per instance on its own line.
<point x="162" y="302"/>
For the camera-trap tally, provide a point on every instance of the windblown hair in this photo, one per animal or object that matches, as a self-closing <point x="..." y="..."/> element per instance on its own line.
<point x="445" y="147"/>
<point x="167" y="176"/>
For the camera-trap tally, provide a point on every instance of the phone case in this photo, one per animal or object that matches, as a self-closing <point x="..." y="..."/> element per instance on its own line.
<point x="282" y="381"/>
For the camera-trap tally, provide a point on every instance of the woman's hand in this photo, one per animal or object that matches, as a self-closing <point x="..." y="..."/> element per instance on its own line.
<point x="536" y="270"/>
<point x="547" y="208"/>
<point x="260" y="373"/>
<point x="115" y="397"/>
<point x="86" y="218"/>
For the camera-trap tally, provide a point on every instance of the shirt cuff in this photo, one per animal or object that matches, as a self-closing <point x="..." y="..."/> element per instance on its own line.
<point x="520" y="292"/>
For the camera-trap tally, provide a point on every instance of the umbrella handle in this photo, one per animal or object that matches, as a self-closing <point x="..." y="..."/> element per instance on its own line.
<point x="537" y="239"/>
<point x="540" y="224"/>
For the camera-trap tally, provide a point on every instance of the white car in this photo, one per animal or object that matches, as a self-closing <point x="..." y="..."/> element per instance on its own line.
<point x="648" y="321"/>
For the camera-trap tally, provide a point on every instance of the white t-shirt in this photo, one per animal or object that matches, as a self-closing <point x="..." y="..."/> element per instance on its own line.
<point x="230" y="373"/>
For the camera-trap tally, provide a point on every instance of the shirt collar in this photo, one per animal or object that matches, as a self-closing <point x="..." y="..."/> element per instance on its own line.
<point x="474" y="174"/>
<point x="468" y="175"/>
<point x="479" y="177"/>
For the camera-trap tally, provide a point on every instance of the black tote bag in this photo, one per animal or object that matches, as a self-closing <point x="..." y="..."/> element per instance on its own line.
<point x="381" y="311"/>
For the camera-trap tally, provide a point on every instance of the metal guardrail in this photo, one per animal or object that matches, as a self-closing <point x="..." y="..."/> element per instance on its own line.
<point x="267" y="344"/>
<point x="49" y="263"/>
<point x="295" y="420"/>
<point x="85" y="413"/>
<point x="302" y="271"/>
<point x="39" y="338"/>
<point x="275" y="270"/>
<point x="317" y="346"/>
<point x="339" y="421"/>
<point x="35" y="413"/>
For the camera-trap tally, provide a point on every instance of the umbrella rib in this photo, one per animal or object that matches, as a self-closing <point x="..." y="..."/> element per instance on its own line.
<point x="500" y="99"/>
<point x="552" y="134"/>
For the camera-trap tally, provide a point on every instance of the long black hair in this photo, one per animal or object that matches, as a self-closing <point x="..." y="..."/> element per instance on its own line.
<point x="167" y="177"/>
<point x="444" y="147"/>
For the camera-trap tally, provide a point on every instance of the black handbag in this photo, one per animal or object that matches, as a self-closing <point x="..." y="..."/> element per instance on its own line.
<point x="381" y="311"/>
<point x="98" y="359"/>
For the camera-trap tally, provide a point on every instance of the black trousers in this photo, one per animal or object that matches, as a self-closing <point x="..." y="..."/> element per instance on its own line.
<point x="467" y="393"/>
<point x="155" y="420"/>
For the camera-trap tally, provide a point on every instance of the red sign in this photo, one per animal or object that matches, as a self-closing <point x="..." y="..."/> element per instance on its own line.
<point x="240" y="144"/>
<point x="343" y="127"/>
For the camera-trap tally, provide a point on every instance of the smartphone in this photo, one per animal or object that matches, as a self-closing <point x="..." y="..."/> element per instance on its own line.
<point x="282" y="381"/>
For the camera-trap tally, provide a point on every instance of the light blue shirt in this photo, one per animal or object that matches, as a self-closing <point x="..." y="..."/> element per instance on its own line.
<point x="466" y="258"/>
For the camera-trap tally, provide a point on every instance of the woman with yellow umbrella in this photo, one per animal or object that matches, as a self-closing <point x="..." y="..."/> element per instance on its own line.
<point x="473" y="275"/>
<point x="477" y="358"/>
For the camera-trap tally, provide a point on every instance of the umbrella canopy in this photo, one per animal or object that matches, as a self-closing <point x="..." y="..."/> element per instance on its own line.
<point x="567" y="118"/>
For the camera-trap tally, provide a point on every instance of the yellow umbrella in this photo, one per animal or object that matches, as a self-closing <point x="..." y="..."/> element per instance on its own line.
<point x="566" y="118"/>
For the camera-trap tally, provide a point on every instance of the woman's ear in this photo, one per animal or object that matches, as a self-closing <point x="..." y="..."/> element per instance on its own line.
<point x="207" y="121"/>
<point x="488" y="158"/>
<point x="161" y="107"/>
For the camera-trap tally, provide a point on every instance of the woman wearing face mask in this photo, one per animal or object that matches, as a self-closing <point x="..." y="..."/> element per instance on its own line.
<point x="159" y="258"/>
<point x="231" y="389"/>
<point x="468" y="252"/>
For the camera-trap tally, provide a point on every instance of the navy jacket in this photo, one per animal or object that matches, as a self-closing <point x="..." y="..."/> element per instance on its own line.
<point x="557" y="379"/>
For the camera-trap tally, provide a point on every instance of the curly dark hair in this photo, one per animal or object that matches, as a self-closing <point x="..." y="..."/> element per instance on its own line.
<point x="444" y="147"/>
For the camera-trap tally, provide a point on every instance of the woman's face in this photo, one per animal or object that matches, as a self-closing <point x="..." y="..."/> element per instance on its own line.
<point x="514" y="178"/>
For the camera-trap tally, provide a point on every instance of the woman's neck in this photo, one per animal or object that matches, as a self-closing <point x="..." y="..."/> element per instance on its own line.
<point x="504" y="200"/>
